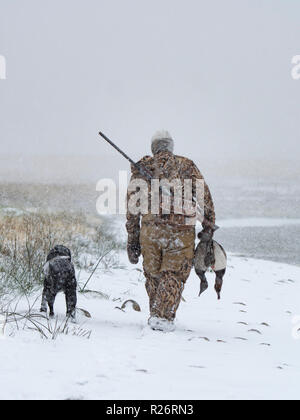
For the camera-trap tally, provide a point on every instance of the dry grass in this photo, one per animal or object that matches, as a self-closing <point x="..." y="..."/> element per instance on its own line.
<point x="14" y="320"/>
<point x="26" y="239"/>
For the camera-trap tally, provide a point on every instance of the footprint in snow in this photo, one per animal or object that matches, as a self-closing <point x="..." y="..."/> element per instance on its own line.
<point x="284" y="365"/>
<point x="243" y="323"/>
<point x="265" y="324"/>
<point x="255" y="331"/>
<point x="83" y="383"/>
<point x="197" y="367"/>
<point x="241" y="338"/>
<point x="199" y="338"/>
<point x="243" y="312"/>
<point x="221" y="341"/>
<point x="265" y="344"/>
<point x="239" y="303"/>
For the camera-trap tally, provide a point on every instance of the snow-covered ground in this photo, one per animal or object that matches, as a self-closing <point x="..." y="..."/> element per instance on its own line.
<point x="242" y="347"/>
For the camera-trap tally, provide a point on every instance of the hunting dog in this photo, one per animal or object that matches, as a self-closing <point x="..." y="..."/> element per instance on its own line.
<point x="210" y="255"/>
<point x="60" y="276"/>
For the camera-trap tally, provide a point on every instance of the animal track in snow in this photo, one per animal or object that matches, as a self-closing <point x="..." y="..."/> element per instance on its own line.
<point x="199" y="338"/>
<point x="255" y="331"/>
<point x="197" y="367"/>
<point x="205" y="339"/>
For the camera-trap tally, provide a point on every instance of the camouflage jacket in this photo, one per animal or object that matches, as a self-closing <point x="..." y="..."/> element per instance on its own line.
<point x="169" y="167"/>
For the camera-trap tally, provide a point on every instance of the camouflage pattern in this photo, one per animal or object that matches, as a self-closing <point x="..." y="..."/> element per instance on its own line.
<point x="165" y="294"/>
<point x="167" y="166"/>
<point x="167" y="241"/>
<point x="168" y="254"/>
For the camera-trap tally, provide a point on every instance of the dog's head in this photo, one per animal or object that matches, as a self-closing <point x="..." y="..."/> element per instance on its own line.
<point x="59" y="251"/>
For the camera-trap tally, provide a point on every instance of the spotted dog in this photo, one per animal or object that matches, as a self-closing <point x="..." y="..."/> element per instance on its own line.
<point x="60" y="276"/>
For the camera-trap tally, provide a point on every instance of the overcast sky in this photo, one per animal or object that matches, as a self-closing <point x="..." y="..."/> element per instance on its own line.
<point x="216" y="73"/>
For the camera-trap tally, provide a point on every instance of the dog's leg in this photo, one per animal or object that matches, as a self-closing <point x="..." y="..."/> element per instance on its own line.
<point x="44" y="301"/>
<point x="51" y="300"/>
<point x="203" y="279"/>
<point x="219" y="282"/>
<point x="71" y="299"/>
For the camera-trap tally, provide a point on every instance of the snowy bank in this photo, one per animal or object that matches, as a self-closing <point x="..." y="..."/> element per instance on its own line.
<point x="243" y="347"/>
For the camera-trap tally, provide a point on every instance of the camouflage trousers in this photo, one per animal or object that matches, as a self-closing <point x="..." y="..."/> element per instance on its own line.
<point x="168" y="253"/>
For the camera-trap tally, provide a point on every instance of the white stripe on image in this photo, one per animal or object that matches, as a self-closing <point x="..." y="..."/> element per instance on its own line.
<point x="296" y="68"/>
<point x="2" y="67"/>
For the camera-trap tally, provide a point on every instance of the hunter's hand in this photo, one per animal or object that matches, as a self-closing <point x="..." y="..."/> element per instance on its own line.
<point x="134" y="251"/>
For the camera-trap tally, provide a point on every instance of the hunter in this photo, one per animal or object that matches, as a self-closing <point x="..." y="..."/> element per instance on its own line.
<point x="165" y="239"/>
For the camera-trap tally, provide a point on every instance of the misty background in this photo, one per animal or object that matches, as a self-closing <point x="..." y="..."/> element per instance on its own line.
<point x="216" y="74"/>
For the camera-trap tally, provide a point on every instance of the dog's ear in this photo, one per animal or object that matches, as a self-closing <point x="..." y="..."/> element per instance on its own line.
<point x="52" y="254"/>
